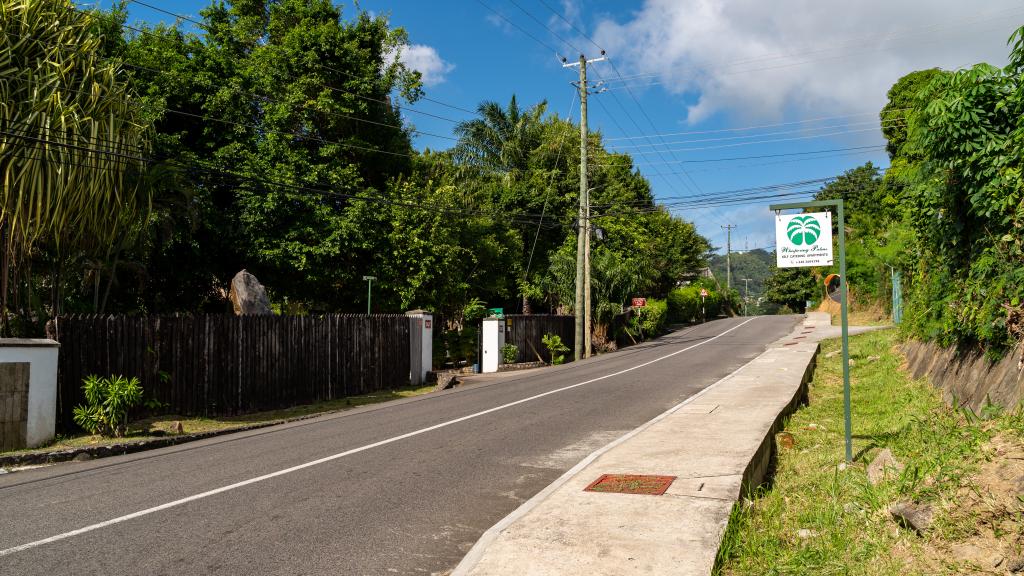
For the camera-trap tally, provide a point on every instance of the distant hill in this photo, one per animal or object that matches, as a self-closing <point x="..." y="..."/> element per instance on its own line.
<point x="754" y="264"/>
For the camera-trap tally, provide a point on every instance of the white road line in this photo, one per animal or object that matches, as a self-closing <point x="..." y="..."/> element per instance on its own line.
<point x="312" y="463"/>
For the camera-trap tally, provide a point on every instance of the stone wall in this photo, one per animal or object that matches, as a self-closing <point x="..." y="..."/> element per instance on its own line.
<point x="13" y="405"/>
<point x="968" y="378"/>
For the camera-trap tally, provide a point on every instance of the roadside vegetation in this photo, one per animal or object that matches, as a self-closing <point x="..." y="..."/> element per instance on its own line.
<point x="947" y="214"/>
<point x="276" y="137"/>
<point x="819" y="517"/>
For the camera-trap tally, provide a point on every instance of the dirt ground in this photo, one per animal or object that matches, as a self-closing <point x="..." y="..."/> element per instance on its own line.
<point x="981" y="530"/>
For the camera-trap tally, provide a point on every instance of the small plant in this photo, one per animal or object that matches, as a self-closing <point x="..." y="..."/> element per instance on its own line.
<point x="108" y="401"/>
<point x="509" y="353"/>
<point x="554" y="344"/>
<point x="154" y="405"/>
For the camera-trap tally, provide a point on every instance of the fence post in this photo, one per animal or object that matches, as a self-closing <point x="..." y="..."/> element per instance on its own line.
<point x="421" y="345"/>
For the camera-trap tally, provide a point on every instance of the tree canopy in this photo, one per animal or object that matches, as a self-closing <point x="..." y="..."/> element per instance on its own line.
<point x="275" y="140"/>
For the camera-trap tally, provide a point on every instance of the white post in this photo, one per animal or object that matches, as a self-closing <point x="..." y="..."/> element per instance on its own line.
<point x="421" y="345"/>
<point x="491" y="345"/>
<point x="40" y="413"/>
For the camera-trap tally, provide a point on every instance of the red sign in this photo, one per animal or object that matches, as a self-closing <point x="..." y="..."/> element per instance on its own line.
<point x="703" y="293"/>
<point x="427" y="325"/>
<point x="639" y="302"/>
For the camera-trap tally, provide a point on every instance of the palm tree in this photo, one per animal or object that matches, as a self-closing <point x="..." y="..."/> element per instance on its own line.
<point x="502" y="138"/>
<point x="72" y="139"/>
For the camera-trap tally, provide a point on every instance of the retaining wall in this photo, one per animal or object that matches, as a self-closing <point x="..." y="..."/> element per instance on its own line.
<point x="968" y="378"/>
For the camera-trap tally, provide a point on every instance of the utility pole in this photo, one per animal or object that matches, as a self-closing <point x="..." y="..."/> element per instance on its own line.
<point x="746" y="296"/>
<point x="582" y="344"/>
<point x="728" y="254"/>
<point x="587" y="324"/>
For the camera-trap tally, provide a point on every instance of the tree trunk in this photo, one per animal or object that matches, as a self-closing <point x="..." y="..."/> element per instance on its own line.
<point x="4" y="276"/>
<point x="110" y="282"/>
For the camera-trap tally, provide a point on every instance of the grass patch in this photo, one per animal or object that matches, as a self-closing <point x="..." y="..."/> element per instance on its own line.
<point x="158" y="426"/>
<point x="819" y="518"/>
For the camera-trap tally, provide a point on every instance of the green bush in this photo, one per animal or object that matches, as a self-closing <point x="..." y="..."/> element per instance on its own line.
<point x="684" y="303"/>
<point x="108" y="401"/>
<point x="509" y="353"/>
<point x="554" y="344"/>
<point x="651" y="319"/>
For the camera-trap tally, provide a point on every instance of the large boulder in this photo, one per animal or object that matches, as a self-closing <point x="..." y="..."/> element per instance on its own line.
<point x="248" y="296"/>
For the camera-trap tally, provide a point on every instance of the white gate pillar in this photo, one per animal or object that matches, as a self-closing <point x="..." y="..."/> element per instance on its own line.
<point x="421" y="345"/>
<point x="28" y="409"/>
<point x="492" y="340"/>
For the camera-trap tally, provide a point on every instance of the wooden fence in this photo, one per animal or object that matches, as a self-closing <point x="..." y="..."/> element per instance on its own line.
<point x="526" y="331"/>
<point x="206" y="365"/>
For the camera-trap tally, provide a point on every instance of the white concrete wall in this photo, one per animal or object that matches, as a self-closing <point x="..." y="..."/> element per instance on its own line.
<point x="492" y="336"/>
<point x="42" y="384"/>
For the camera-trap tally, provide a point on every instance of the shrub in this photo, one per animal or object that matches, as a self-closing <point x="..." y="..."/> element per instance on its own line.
<point x="509" y="353"/>
<point x="684" y="302"/>
<point x="108" y="401"/>
<point x="651" y="319"/>
<point x="554" y="344"/>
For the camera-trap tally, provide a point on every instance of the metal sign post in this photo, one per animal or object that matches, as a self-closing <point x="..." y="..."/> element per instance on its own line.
<point x="369" y="291"/>
<point x="843" y="298"/>
<point x="703" y="310"/>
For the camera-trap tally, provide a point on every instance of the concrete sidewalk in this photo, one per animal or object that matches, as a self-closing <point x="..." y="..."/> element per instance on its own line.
<point x="717" y="443"/>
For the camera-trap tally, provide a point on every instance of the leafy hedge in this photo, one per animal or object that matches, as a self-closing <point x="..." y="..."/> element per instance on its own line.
<point x="684" y="303"/>
<point x="651" y="319"/>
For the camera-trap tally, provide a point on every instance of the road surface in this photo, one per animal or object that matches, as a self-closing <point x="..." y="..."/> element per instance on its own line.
<point x="400" y="488"/>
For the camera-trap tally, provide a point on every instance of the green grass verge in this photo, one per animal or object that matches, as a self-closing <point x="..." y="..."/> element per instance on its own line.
<point x="163" y="425"/>
<point x="818" y="518"/>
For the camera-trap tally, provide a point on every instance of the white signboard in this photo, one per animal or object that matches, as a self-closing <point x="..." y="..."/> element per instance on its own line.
<point x="803" y="240"/>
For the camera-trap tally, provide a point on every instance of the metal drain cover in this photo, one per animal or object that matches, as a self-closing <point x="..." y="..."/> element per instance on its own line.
<point x="631" y="484"/>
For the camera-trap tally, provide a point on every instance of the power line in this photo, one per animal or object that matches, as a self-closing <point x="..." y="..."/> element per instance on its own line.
<point x="547" y="193"/>
<point x="520" y="218"/>
<point x="356" y="94"/>
<point x="761" y="156"/>
<point x="653" y="127"/>
<point x="571" y="25"/>
<point x="957" y="26"/>
<point x="758" y="127"/>
<point x="548" y="28"/>
<point x="756" y="142"/>
<point x="777" y="162"/>
<point x="873" y="123"/>
<point x="518" y="27"/>
<point x="738" y="191"/>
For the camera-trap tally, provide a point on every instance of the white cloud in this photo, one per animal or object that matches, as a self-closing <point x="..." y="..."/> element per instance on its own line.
<point x="764" y="60"/>
<point x="427" y="61"/>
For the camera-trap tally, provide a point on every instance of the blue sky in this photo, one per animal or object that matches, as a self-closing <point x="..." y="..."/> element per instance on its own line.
<point x="707" y="86"/>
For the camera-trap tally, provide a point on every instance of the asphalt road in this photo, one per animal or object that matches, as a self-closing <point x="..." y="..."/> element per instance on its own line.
<point x="401" y="488"/>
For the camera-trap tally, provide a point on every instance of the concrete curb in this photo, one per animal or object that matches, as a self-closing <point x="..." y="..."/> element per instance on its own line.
<point x="539" y="538"/>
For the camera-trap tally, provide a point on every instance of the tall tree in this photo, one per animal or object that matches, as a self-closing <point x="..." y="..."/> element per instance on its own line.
<point x="72" y="145"/>
<point x="502" y="138"/>
<point x="282" y="112"/>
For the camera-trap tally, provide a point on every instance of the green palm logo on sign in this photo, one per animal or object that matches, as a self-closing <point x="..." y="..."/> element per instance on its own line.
<point x="803" y="230"/>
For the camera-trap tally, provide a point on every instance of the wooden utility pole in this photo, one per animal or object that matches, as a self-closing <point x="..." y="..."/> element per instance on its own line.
<point x="587" y="323"/>
<point x="582" y="304"/>
<point x="728" y="254"/>
<point x="746" y="295"/>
